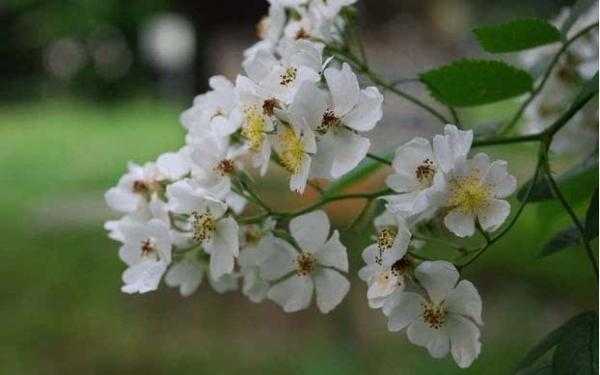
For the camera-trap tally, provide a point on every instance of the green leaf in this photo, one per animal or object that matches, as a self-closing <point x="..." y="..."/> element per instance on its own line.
<point x="562" y="240"/>
<point x="542" y="191"/>
<point x="556" y="337"/>
<point x="516" y="35"/>
<point x="591" y="218"/>
<point x="577" y="351"/>
<point x="466" y="83"/>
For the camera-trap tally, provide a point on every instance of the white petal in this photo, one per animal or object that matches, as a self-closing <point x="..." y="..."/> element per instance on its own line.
<point x="436" y="341"/>
<point x="187" y="275"/>
<point x="172" y="165"/>
<point x="292" y="294"/>
<point x="501" y="182"/>
<point x="225" y="283"/>
<point x="310" y="230"/>
<point x="438" y="278"/>
<point x="298" y="180"/>
<point x="224" y="247"/>
<point x="407" y="309"/>
<point x="493" y="214"/>
<point x="344" y="88"/>
<point x="464" y="339"/>
<point x="411" y="154"/>
<point x="308" y="106"/>
<point x="465" y="300"/>
<point x="143" y="277"/>
<point x="279" y="261"/>
<point x="460" y="223"/>
<point x="384" y="283"/>
<point x="367" y="113"/>
<point x="122" y="200"/>
<point x="402" y="182"/>
<point x="331" y="288"/>
<point x="350" y="149"/>
<point x="333" y="253"/>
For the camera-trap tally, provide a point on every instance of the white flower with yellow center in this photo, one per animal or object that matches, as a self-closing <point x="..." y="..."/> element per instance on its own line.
<point x="337" y="117"/>
<point x="147" y="251"/>
<point x="474" y="190"/>
<point x="280" y="78"/>
<point x="294" y="146"/>
<point x="314" y="266"/>
<point x="444" y="321"/>
<point x="385" y="261"/>
<point x="418" y="166"/>
<point x="258" y="120"/>
<point x="215" y="111"/>
<point x="208" y="224"/>
<point x="136" y="188"/>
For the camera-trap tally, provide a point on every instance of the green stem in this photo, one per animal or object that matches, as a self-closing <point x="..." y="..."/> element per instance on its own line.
<point x="379" y="159"/>
<point x="559" y="195"/>
<point x="545" y="77"/>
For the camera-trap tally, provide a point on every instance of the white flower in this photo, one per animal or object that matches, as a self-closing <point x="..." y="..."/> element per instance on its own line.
<point x="135" y="188"/>
<point x="226" y="283"/>
<point x="300" y="61"/>
<point x="175" y="165"/>
<point x="214" y="162"/>
<point x="337" y="119"/>
<point x="308" y="23"/>
<point x="147" y="251"/>
<point x="269" y="30"/>
<point x="186" y="274"/>
<point x="156" y="209"/>
<point x="255" y="247"/>
<point x="314" y="266"/>
<point x="419" y="167"/>
<point x="474" y="190"/>
<point x="207" y="224"/>
<point x="386" y="264"/>
<point x="445" y="320"/>
<point x="214" y="111"/>
<point x="258" y="120"/>
<point x="294" y="145"/>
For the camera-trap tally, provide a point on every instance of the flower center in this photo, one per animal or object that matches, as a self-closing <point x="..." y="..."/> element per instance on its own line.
<point x="269" y="106"/>
<point x="302" y="34"/>
<point x="225" y="167"/>
<point x="425" y="172"/>
<point x="469" y="194"/>
<point x="329" y="121"/>
<point x="385" y="241"/>
<point x="305" y="264"/>
<point x="434" y="315"/>
<point x="288" y="76"/>
<point x="203" y="226"/>
<point x="252" y="234"/>
<point x="148" y="249"/>
<point x="401" y="266"/>
<point x="254" y="128"/>
<point x="293" y="153"/>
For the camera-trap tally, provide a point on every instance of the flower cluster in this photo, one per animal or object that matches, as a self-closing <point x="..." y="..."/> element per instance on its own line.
<point x="186" y="216"/>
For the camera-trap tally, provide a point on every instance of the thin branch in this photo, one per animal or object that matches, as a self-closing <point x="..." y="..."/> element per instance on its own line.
<point x="379" y="159"/>
<point x="559" y="195"/>
<point x="545" y="77"/>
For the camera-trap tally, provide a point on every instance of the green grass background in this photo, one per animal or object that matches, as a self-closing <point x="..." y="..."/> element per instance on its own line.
<point x="62" y="311"/>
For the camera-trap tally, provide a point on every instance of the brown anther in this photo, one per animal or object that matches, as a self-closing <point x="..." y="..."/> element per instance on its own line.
<point x="269" y="106"/>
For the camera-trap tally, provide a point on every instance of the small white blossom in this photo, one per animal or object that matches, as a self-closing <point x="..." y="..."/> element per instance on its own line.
<point x="419" y="168"/>
<point x="147" y="251"/>
<point x="254" y="250"/>
<point x="214" y="111"/>
<point x="385" y="260"/>
<point x="444" y="321"/>
<point x="135" y="189"/>
<point x="475" y="190"/>
<point x="208" y="224"/>
<point x="280" y="78"/>
<point x="315" y="266"/>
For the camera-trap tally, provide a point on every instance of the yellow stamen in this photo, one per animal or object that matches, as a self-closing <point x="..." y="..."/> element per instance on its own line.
<point x="469" y="194"/>
<point x="254" y="128"/>
<point x="292" y="154"/>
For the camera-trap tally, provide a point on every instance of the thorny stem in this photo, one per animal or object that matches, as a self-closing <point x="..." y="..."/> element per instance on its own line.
<point x="545" y="77"/>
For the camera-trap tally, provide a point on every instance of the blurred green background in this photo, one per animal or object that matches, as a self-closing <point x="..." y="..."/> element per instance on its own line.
<point x="66" y="137"/>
